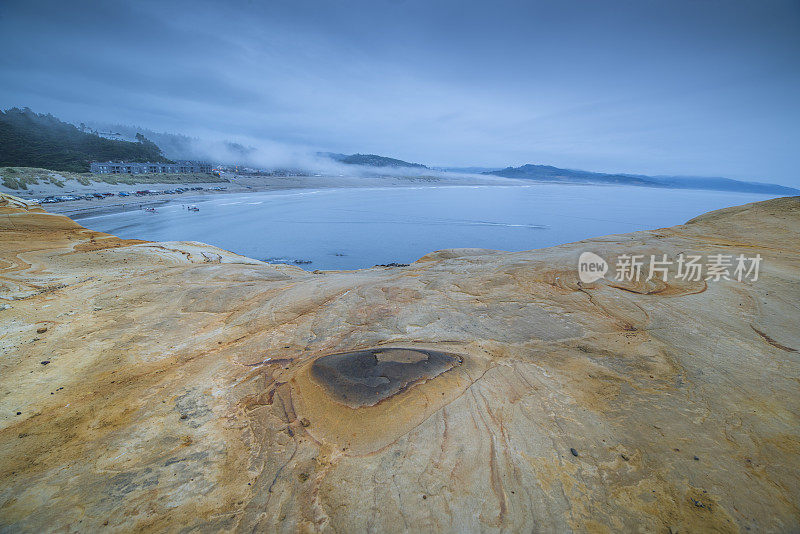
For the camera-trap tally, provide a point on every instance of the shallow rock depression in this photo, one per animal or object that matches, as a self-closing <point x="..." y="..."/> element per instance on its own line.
<point x="366" y="377"/>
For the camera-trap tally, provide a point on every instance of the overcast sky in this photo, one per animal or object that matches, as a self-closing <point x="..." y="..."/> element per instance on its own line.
<point x="657" y="87"/>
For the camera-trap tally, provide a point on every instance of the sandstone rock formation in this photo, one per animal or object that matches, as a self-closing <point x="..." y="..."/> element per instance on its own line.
<point x="177" y="386"/>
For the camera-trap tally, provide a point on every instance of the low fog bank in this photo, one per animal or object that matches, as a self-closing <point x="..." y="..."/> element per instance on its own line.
<point x="264" y="155"/>
<point x="260" y="156"/>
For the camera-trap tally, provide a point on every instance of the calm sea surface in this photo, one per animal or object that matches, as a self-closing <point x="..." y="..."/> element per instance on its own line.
<point x="355" y="228"/>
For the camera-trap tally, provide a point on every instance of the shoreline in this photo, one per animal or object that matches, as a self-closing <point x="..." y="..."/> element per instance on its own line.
<point x="241" y="184"/>
<point x="237" y="184"/>
<point x="120" y="205"/>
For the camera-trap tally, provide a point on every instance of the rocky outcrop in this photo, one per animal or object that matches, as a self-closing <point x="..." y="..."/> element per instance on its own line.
<point x="172" y="386"/>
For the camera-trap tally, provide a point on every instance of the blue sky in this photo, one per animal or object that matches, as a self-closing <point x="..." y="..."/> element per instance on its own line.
<point x="700" y="88"/>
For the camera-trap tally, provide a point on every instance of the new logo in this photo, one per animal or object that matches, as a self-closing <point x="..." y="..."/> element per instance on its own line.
<point x="591" y="267"/>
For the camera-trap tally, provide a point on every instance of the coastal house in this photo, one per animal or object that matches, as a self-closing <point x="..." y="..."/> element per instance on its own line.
<point x="122" y="167"/>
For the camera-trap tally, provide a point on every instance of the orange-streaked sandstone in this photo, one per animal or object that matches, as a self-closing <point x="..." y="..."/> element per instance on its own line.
<point x="180" y="391"/>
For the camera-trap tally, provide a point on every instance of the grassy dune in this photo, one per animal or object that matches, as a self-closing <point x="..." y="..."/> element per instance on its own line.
<point x="19" y="178"/>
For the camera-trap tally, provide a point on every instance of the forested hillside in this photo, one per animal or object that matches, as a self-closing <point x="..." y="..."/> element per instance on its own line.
<point x="29" y="139"/>
<point x="371" y="160"/>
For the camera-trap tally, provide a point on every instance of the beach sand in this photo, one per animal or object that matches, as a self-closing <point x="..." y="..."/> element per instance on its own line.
<point x="235" y="184"/>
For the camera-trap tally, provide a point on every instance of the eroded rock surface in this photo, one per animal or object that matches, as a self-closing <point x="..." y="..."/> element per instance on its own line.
<point x="188" y="388"/>
<point x="366" y="377"/>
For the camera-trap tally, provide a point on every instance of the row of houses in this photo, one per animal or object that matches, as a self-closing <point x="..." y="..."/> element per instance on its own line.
<point x="122" y="167"/>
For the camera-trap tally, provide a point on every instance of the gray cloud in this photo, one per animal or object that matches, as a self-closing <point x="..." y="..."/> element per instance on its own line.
<point x="702" y="87"/>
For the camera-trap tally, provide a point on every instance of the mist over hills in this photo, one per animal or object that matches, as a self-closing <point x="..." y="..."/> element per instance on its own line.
<point x="29" y="139"/>
<point x="469" y="170"/>
<point x="371" y="160"/>
<point x="548" y="173"/>
<point x="182" y="147"/>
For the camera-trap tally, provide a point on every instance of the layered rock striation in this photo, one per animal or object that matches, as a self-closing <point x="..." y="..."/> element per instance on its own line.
<point x="171" y="386"/>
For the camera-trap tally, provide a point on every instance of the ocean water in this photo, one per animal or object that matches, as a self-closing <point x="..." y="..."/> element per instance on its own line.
<point x="353" y="228"/>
